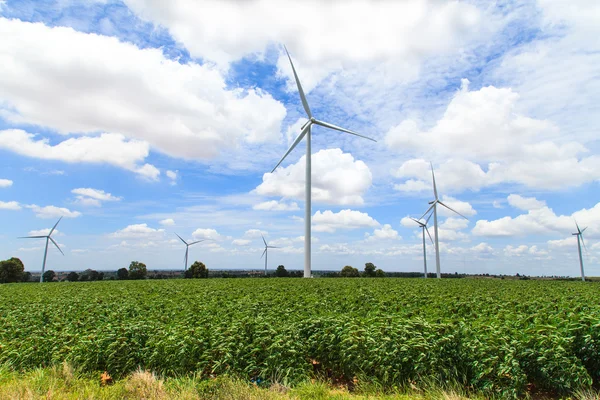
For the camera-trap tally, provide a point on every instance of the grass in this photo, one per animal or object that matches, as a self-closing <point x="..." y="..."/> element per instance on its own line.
<point x="63" y="383"/>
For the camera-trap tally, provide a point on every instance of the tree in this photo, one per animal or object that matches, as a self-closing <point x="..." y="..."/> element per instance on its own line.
<point x="26" y="276"/>
<point x="122" y="274"/>
<point x="349" y="272"/>
<point x="73" y="277"/>
<point x="197" y="270"/>
<point x="281" y="272"/>
<point x="379" y="273"/>
<point x="11" y="270"/>
<point x="49" y="276"/>
<point x="370" y="270"/>
<point x="137" y="270"/>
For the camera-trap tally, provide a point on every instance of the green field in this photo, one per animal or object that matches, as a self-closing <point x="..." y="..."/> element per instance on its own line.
<point x="489" y="336"/>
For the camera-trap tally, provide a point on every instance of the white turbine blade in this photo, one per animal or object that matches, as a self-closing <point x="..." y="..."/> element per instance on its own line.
<point x="302" y="96"/>
<point x="263" y="254"/>
<point x="298" y="139"/>
<point x="453" y="210"/>
<point x="31" y="237"/>
<point x="264" y="241"/>
<point x="54" y="227"/>
<point x="197" y="241"/>
<point x="583" y="230"/>
<point x="337" y="128"/>
<point x="272" y="247"/>
<point x="428" y="218"/>
<point x="582" y="241"/>
<point x="430" y="238"/>
<point x="184" y="242"/>
<point x="429" y="209"/>
<point x="52" y="240"/>
<point x="417" y="221"/>
<point x="434" y="186"/>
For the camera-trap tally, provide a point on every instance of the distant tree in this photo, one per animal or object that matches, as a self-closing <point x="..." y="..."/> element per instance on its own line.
<point x="349" y="272"/>
<point x="296" y="274"/>
<point x="379" y="273"/>
<point x="11" y="270"/>
<point x="73" y="277"/>
<point x="197" y="271"/>
<point x="137" y="270"/>
<point x="281" y="272"/>
<point x="370" y="270"/>
<point x="26" y="277"/>
<point x="49" y="276"/>
<point x="122" y="274"/>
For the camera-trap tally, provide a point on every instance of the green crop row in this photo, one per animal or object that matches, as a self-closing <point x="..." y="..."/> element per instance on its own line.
<point x="498" y="337"/>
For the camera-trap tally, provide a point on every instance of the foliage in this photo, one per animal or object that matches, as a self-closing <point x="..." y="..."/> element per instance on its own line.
<point x="26" y="276"/>
<point x="379" y="273"/>
<point x="281" y="272"/>
<point x="137" y="270"/>
<point x="11" y="270"/>
<point x="91" y="275"/>
<point x="49" y="276"/>
<point x="73" y="276"/>
<point x="497" y="337"/>
<point x="122" y="274"/>
<point x="197" y="271"/>
<point x="370" y="270"/>
<point x="349" y="272"/>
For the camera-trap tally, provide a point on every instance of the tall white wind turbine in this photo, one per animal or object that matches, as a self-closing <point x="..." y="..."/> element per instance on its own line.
<point x="579" y="235"/>
<point x="187" y="248"/>
<point x="48" y="238"/>
<point x="433" y="206"/>
<point x="424" y="228"/>
<point x="266" y="253"/>
<point x="306" y="131"/>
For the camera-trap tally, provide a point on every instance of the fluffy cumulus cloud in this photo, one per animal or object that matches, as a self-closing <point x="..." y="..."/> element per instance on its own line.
<point x="183" y="110"/>
<point x="385" y="233"/>
<point x="172" y="175"/>
<point x="208" y="233"/>
<point x="255" y="233"/>
<point x="93" y="197"/>
<point x="167" y="222"/>
<point x="5" y="183"/>
<point x="9" y="205"/>
<point x="274" y="205"/>
<point x="138" y="231"/>
<point x="336" y="179"/>
<point x="524" y="250"/>
<point x="490" y="143"/>
<point x="53" y="212"/>
<point x="328" y="221"/>
<point x="113" y="149"/>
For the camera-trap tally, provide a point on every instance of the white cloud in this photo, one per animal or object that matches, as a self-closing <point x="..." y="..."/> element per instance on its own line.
<point x="336" y="179"/>
<point x="107" y="148"/>
<point x="45" y="231"/>
<point x="329" y="221"/>
<point x="524" y="250"/>
<point x="255" y="233"/>
<point x="53" y="212"/>
<point x="138" y="231"/>
<point x="183" y="110"/>
<point x="172" y="175"/>
<point x="463" y="207"/>
<point x="241" y="242"/>
<point x="525" y="203"/>
<point x="167" y="222"/>
<point x="93" y="197"/>
<point x="207" y="233"/>
<point x="9" y="205"/>
<point x="385" y="233"/>
<point x="338" y="248"/>
<point x="5" y="183"/>
<point x="274" y="205"/>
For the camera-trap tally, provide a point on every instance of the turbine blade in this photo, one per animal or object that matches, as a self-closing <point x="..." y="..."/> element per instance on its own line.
<point x="434" y="186"/>
<point x="264" y="241"/>
<point x="453" y="210"/>
<point x="417" y="221"/>
<point x="583" y="230"/>
<point x="577" y="225"/>
<point x="430" y="238"/>
<point x="263" y="254"/>
<point x="272" y="247"/>
<point x="302" y="96"/>
<point x="197" y="241"/>
<point x="31" y="237"/>
<point x="54" y="227"/>
<point x="184" y="242"/>
<point x="337" y="128"/>
<point x="428" y="218"/>
<point x="298" y="139"/>
<point x="429" y="209"/>
<point x="52" y="240"/>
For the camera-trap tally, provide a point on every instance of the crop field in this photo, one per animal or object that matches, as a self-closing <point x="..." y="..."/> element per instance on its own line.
<point x="491" y="336"/>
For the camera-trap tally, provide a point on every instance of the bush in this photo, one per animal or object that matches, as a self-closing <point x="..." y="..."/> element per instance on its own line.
<point x="137" y="270"/>
<point x="73" y="277"/>
<point x="349" y="272"/>
<point x="49" y="276"/>
<point x="11" y="270"/>
<point x="122" y="274"/>
<point x="281" y="272"/>
<point x="197" y="271"/>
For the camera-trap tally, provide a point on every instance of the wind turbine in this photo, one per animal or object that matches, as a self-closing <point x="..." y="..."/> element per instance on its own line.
<point x="424" y="228"/>
<point x="48" y="238"/>
<point x="579" y="235"/>
<point x="266" y="253"/>
<point x="433" y="206"/>
<point x="306" y="131"/>
<point x="187" y="248"/>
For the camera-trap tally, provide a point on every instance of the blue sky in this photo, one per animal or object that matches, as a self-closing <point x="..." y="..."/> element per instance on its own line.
<point x="138" y="119"/>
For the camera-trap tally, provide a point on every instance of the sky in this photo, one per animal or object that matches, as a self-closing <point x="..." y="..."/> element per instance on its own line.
<point x="138" y="119"/>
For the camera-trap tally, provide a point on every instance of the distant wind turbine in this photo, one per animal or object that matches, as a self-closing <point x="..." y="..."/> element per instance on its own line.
<point x="187" y="248"/>
<point x="306" y="131"/>
<point x="266" y="253"/>
<point x="48" y="238"/>
<point x="424" y="228"/>
<point x="433" y="206"/>
<point x="579" y="235"/>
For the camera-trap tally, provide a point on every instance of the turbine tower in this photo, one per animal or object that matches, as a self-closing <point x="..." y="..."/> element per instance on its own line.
<point x="266" y="253"/>
<point x="424" y="228"/>
<point x="433" y="206"/>
<point x="187" y="248"/>
<point x="48" y="238"/>
<point x="579" y="235"/>
<point x="306" y="131"/>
